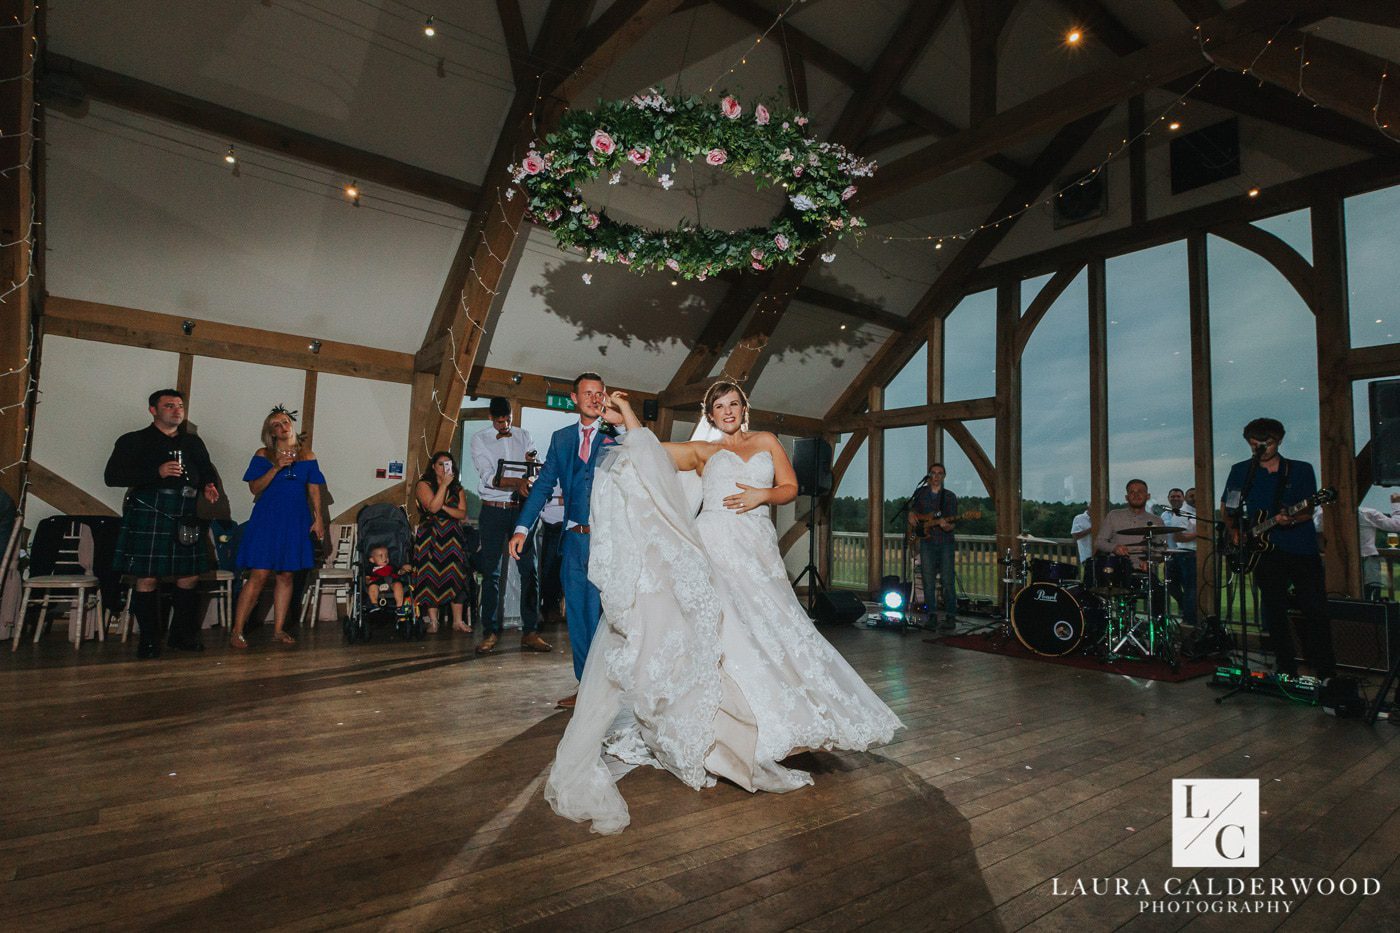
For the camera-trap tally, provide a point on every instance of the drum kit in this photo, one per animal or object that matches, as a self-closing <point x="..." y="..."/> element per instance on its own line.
<point x="1117" y="610"/>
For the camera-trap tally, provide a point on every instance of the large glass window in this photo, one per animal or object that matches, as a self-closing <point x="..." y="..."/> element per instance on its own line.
<point x="1294" y="228"/>
<point x="850" y="520"/>
<point x="970" y="348"/>
<point x="1263" y="356"/>
<point x="1055" y="400"/>
<point x="910" y="388"/>
<point x="1373" y="242"/>
<point x="906" y="453"/>
<point x="1149" y="371"/>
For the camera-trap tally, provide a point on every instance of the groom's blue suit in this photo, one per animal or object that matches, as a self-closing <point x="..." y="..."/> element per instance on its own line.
<point x="574" y="475"/>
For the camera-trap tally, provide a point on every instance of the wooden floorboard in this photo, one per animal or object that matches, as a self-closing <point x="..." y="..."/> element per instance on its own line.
<point x="399" y="786"/>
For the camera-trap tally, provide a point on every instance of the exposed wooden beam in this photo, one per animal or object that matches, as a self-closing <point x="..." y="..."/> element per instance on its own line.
<point x="984" y="28"/>
<point x="1374" y="362"/>
<point x="18" y="215"/>
<point x="1202" y="411"/>
<point x="1137" y="161"/>
<point x="308" y="408"/>
<point x="66" y="496"/>
<point x="1042" y="302"/>
<point x="1344" y="181"/>
<point x="1375" y="13"/>
<point x="894" y="136"/>
<point x="1242" y="30"/>
<point x="973" y="409"/>
<point x="1270" y="247"/>
<point x="847" y="454"/>
<point x="247" y="130"/>
<point x="184" y="378"/>
<point x="132" y="327"/>
<point x="1008" y="423"/>
<point x="986" y="472"/>
<point x="851" y="74"/>
<point x="851" y="308"/>
<point x="950" y="286"/>
<point x="1098" y="390"/>
<point x="875" y="499"/>
<point x="517" y="41"/>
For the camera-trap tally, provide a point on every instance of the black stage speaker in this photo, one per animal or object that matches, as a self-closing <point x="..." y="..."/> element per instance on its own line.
<point x="1363" y="633"/>
<point x="1385" y="432"/>
<point x="1205" y="156"/>
<point x="811" y="461"/>
<point x="651" y="409"/>
<point x="838" y="607"/>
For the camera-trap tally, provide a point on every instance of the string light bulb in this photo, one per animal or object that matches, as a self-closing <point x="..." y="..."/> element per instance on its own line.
<point x="1074" y="36"/>
<point x="352" y="191"/>
<point x="1174" y="125"/>
<point x="229" y="157"/>
<point x="1254" y="192"/>
<point x="429" y="29"/>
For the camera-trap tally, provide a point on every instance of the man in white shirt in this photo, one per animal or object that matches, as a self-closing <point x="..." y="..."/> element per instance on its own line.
<point x="1082" y="531"/>
<point x="1181" y="553"/>
<point x="1368" y="520"/>
<point x="500" y="508"/>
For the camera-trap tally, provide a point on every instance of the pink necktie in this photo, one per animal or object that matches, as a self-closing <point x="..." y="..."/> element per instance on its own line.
<point x="583" y="451"/>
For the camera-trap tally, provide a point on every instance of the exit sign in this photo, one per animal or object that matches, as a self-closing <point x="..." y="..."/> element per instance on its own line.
<point x="559" y="400"/>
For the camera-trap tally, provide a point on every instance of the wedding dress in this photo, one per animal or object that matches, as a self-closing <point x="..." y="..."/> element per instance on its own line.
<point x="704" y="663"/>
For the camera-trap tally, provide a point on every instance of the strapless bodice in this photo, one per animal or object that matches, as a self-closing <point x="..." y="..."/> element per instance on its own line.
<point x="725" y="469"/>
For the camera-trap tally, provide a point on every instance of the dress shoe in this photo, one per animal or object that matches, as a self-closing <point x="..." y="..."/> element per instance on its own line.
<point x="567" y="702"/>
<point x="488" y="645"/>
<point x="533" y="642"/>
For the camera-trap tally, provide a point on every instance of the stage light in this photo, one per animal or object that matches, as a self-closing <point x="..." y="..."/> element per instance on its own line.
<point x="894" y="596"/>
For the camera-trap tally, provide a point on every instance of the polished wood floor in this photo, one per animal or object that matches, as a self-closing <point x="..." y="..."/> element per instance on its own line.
<point x="393" y="786"/>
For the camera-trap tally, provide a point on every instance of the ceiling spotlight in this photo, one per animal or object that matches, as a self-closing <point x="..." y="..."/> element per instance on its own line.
<point x="1254" y="192"/>
<point x="674" y="282"/>
<point x="352" y="191"/>
<point x="188" y="326"/>
<point x="1174" y="125"/>
<point x="314" y="346"/>
<point x="1073" y="37"/>
<point x="517" y="378"/>
<point x="229" y="157"/>
<point x="429" y="29"/>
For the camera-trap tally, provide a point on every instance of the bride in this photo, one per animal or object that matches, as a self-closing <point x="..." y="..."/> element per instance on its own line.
<point x="704" y="664"/>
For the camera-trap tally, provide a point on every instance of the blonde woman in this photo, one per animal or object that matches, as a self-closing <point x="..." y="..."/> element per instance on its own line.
<point x="286" y="481"/>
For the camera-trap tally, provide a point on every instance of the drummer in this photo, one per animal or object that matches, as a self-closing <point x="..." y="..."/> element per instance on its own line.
<point x="1111" y="538"/>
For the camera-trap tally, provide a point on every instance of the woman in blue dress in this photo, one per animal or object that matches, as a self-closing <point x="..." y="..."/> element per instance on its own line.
<point x="286" y="482"/>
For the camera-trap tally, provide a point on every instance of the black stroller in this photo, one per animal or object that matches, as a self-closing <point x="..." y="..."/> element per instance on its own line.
<point x="383" y="525"/>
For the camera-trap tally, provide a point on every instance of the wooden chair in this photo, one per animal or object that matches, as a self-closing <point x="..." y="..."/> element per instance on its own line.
<point x="73" y="588"/>
<point x="335" y="574"/>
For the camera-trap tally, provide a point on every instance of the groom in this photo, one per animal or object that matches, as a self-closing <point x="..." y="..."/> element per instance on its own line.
<point x="573" y="453"/>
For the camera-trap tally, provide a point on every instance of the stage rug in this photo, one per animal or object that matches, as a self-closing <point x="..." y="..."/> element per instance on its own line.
<point x="1149" y="670"/>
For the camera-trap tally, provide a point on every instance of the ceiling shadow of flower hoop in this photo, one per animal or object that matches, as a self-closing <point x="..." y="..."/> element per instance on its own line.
<point x="770" y="144"/>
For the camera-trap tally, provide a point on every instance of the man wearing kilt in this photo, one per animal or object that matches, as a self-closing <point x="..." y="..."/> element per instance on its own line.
<point x="165" y="469"/>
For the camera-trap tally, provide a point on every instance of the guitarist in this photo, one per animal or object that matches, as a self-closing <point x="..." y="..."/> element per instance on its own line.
<point x="1265" y="485"/>
<point x="939" y="546"/>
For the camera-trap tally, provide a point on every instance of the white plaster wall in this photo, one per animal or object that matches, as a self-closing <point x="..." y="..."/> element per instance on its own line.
<point x="360" y="424"/>
<point x="90" y="393"/>
<point x="228" y="402"/>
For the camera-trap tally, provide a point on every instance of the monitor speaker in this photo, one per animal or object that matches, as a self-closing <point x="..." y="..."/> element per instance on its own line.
<point x="811" y="461"/>
<point x="1362" y="633"/>
<point x="838" y="607"/>
<point x="651" y="409"/>
<point x="1385" y="432"/>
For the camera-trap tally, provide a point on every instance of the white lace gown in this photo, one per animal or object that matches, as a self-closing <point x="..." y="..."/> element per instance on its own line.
<point x="704" y="663"/>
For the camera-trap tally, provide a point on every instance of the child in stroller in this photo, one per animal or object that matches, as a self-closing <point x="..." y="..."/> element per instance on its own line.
<point x="384" y="541"/>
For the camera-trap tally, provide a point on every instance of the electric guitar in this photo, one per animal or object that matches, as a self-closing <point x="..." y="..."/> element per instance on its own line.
<point x="1254" y="536"/>
<point x="923" y="523"/>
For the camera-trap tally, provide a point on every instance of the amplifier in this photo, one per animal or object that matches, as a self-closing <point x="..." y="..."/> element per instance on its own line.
<point x="1364" y="634"/>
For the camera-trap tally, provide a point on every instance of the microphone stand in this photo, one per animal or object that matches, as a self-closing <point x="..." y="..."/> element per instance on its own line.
<point x="1235" y="582"/>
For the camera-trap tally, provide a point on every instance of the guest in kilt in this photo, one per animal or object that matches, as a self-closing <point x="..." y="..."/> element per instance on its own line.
<point x="441" y="555"/>
<point x="286" y="481"/>
<point x="165" y="469"/>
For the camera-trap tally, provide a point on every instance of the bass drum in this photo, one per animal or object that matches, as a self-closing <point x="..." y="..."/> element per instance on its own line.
<point x="1056" y="620"/>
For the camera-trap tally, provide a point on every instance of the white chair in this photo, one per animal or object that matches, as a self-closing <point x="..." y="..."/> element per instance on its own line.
<point x="219" y="585"/>
<point x="336" y="574"/>
<point x="72" y="588"/>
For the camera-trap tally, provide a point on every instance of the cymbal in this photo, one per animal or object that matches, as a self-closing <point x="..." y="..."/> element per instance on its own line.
<point x="1027" y="536"/>
<point x="1148" y="530"/>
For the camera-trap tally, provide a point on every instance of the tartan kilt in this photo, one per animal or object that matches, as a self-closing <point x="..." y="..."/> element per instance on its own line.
<point x="146" y="545"/>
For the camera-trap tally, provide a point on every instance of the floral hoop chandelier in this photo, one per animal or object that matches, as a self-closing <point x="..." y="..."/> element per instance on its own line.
<point x="819" y="177"/>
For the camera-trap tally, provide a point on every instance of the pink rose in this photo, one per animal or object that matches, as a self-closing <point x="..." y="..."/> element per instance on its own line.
<point x="838" y="223"/>
<point x="848" y="193"/>
<point x="800" y="121"/>
<point x="553" y="214"/>
<point x="592" y="221"/>
<point x="731" y="108"/>
<point x="756" y="253"/>
<point x="532" y="164"/>
<point x="780" y="241"/>
<point x="758" y="265"/>
<point x="797" y="170"/>
<point x="639" y="156"/>
<point x="673" y="265"/>
<point x="717" y="157"/>
<point x="602" y="143"/>
<point x="760" y="115"/>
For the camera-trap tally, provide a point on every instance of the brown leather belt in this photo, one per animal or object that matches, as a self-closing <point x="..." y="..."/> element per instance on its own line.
<point x="579" y="529"/>
<point x="500" y="505"/>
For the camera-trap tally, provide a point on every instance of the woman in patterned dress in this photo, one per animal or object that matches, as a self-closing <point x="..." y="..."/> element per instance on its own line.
<point x="440" y="553"/>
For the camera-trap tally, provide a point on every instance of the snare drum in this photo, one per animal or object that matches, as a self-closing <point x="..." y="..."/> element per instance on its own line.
<point x="1056" y="620"/>
<point x="1111" y="575"/>
<point x="1053" y="571"/>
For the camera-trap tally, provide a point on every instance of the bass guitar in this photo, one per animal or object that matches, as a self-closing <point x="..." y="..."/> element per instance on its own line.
<point x="1254" y="536"/>
<point x="923" y="523"/>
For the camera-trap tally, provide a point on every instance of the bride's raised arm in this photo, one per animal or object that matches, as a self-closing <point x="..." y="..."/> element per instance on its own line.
<point x="619" y="411"/>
